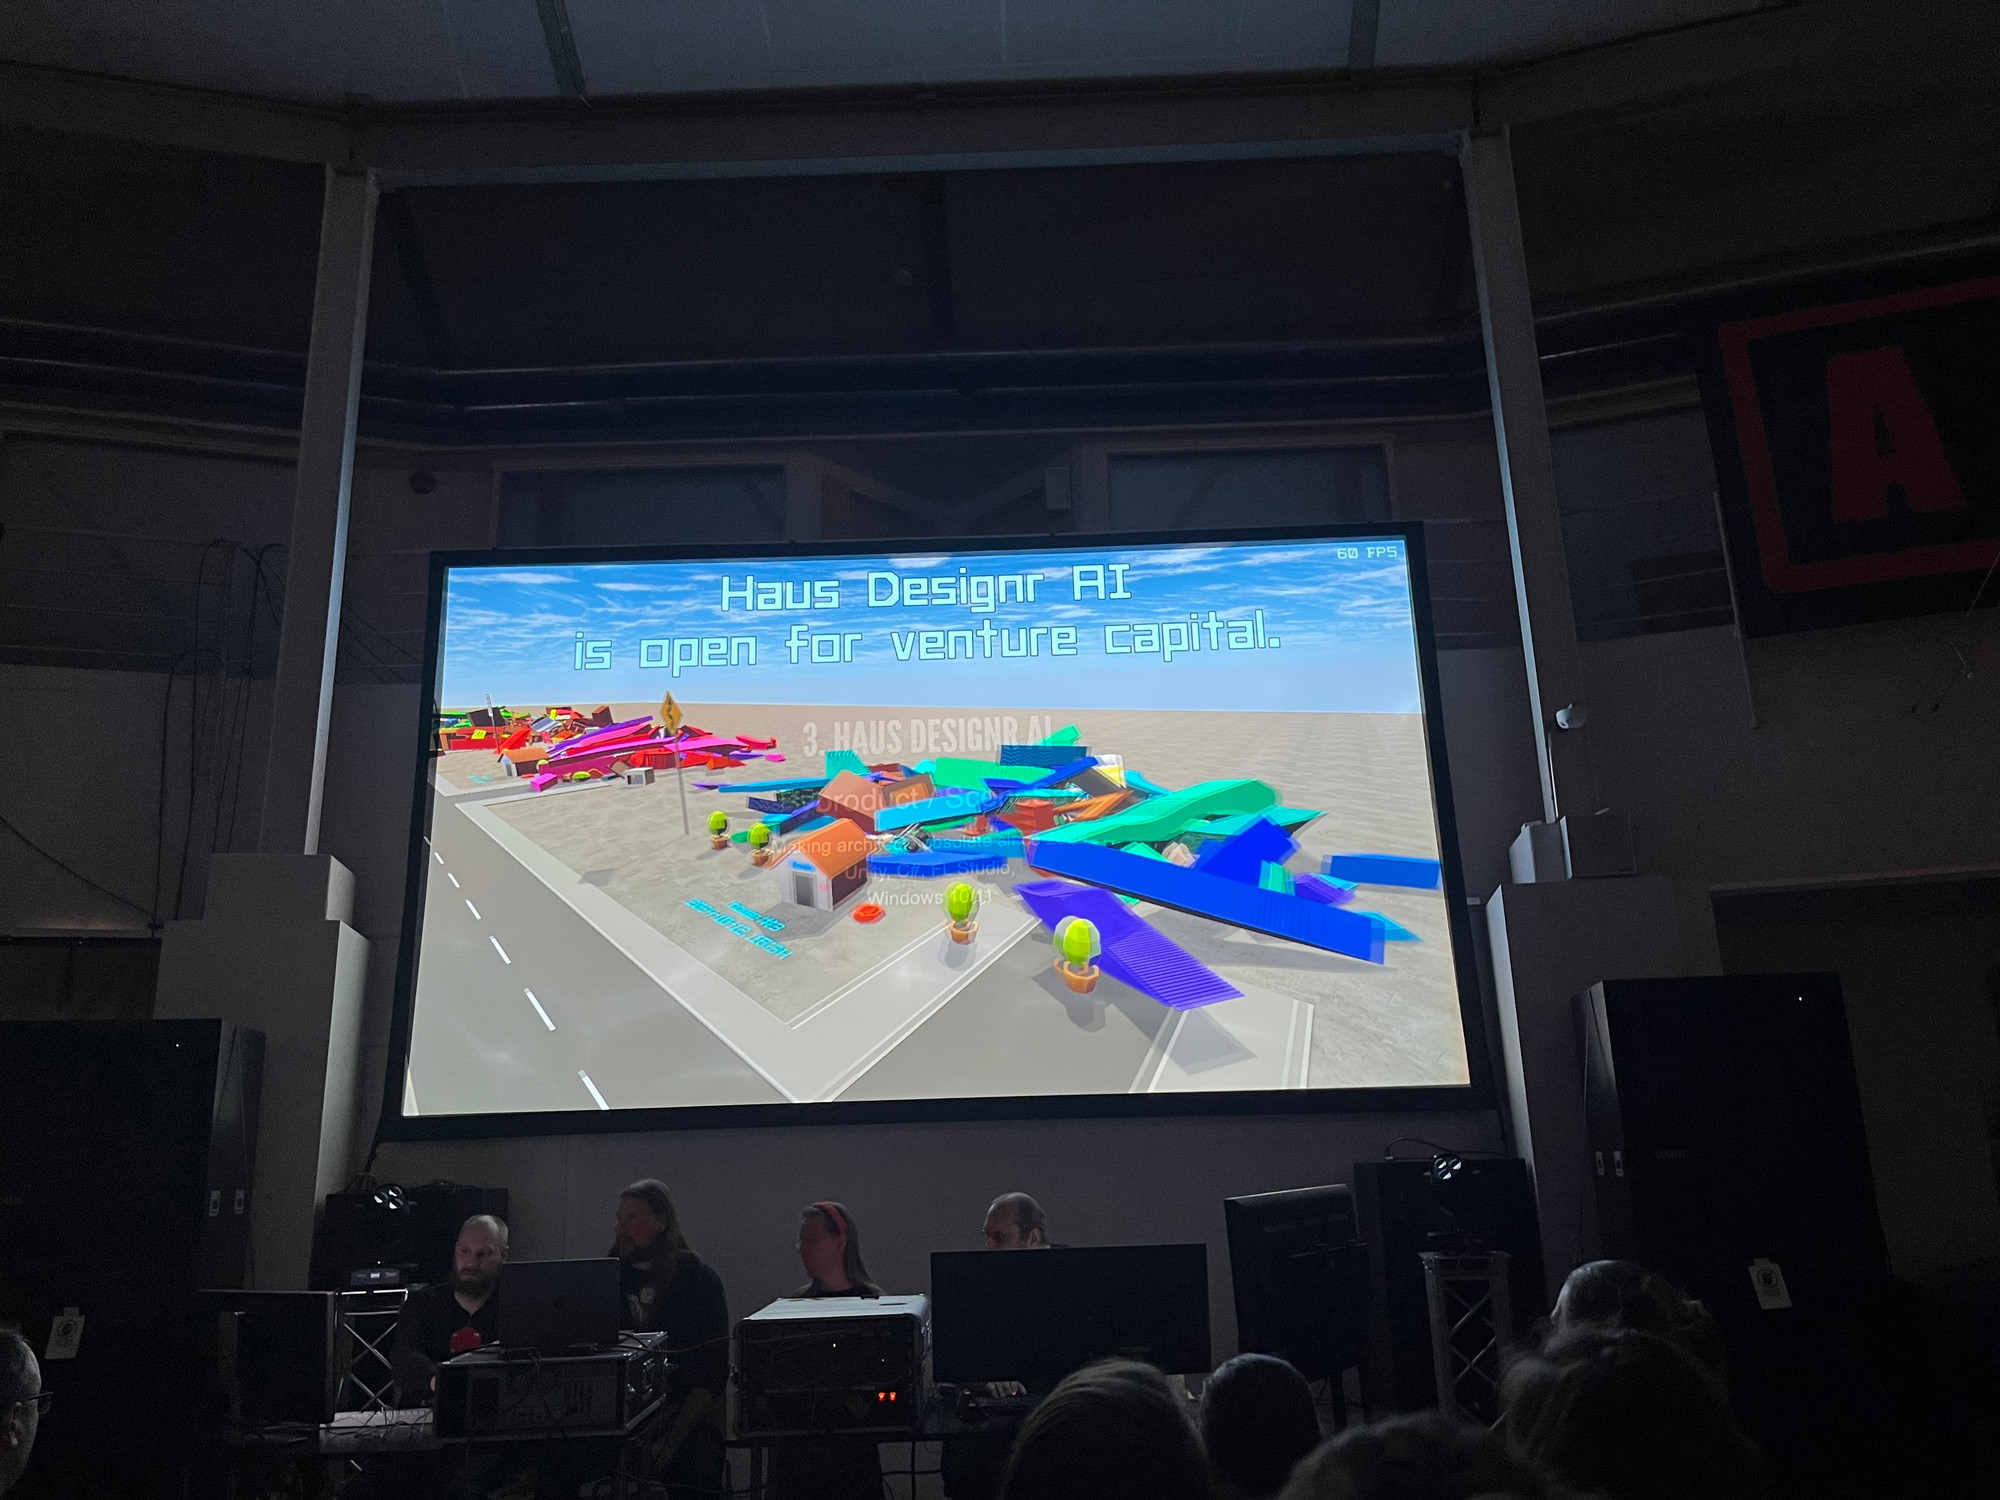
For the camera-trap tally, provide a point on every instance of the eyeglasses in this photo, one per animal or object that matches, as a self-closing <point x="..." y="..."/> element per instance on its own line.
<point x="41" y="1403"/>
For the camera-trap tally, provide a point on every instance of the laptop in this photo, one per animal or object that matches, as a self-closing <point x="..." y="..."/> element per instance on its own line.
<point x="557" y="1305"/>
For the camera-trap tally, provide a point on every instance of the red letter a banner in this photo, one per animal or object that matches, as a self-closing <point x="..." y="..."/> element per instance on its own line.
<point x="1883" y="439"/>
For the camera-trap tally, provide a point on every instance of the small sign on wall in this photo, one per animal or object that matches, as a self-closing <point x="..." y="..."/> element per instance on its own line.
<point x="1857" y="447"/>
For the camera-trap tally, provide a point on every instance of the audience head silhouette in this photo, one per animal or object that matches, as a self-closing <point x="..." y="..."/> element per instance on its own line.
<point x="1257" y="1421"/>
<point x="1618" y="1294"/>
<point x="1112" y="1431"/>
<point x="1422" y="1457"/>
<point x="1628" y="1416"/>
<point x="20" y="1405"/>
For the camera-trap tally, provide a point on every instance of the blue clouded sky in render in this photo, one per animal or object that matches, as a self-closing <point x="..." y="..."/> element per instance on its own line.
<point x="1305" y="625"/>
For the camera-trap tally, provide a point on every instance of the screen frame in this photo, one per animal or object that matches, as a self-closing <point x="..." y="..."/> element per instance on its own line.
<point x="1478" y="1093"/>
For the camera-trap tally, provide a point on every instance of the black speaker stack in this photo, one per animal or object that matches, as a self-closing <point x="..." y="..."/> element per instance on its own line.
<point x="1728" y="1153"/>
<point x="125" y="1188"/>
<point x="406" y="1231"/>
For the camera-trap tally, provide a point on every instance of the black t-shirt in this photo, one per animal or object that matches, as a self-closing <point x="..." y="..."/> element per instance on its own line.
<point x="692" y="1310"/>
<point x="430" y="1316"/>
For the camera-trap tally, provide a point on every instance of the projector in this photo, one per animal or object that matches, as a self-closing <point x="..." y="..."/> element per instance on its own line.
<point x="832" y="1364"/>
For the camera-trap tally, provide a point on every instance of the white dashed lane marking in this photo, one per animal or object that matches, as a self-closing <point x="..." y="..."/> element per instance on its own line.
<point x="538" y="1009"/>
<point x="474" y="910"/>
<point x="593" y="1089"/>
<point x="499" y="950"/>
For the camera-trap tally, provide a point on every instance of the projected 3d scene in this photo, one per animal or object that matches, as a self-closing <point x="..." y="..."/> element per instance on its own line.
<point x="1102" y="820"/>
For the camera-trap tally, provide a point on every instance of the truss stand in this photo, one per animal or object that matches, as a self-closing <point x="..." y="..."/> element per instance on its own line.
<point x="1472" y="1322"/>
<point x="367" y="1323"/>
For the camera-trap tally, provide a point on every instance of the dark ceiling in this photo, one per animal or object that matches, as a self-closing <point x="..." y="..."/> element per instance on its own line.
<point x="167" y="280"/>
<point x="149" y="279"/>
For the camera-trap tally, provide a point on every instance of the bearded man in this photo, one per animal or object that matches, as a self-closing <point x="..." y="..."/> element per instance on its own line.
<point x="450" y="1317"/>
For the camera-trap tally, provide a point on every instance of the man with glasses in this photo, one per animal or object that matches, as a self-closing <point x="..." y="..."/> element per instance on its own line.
<point x="22" y="1402"/>
<point x="1016" y="1222"/>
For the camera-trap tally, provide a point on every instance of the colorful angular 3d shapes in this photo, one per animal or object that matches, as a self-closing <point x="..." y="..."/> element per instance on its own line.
<point x="852" y="795"/>
<point x="1355" y="934"/>
<point x="609" y="734"/>
<point x="1158" y="819"/>
<point x="1275" y="877"/>
<point x="812" y="782"/>
<point x="955" y="771"/>
<point x="1030" y="815"/>
<point x="1135" y="952"/>
<point x="790" y="800"/>
<point x="908" y="789"/>
<point x="1385" y="869"/>
<point x="1067" y="735"/>
<point x="946" y="807"/>
<point x="838" y="761"/>
<point x="1242" y="856"/>
<point x="1323" y="889"/>
<point x="1084" y="810"/>
<point x="1048" y="756"/>
<point x="1291" y="819"/>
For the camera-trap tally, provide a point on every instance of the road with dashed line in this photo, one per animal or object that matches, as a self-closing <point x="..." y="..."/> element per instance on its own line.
<point x="526" y="1006"/>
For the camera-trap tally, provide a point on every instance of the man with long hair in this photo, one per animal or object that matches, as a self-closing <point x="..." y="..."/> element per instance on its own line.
<point x="670" y="1289"/>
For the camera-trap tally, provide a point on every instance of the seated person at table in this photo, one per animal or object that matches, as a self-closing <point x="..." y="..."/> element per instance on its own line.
<point x="971" y="1466"/>
<point x="434" y="1319"/>
<point x="830" y="1467"/>
<point x="830" y="1250"/>
<point x="670" y="1289"/>
<point x="1016" y="1222"/>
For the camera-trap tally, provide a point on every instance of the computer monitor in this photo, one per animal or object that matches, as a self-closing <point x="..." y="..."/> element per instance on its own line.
<point x="552" y="1305"/>
<point x="1300" y="1276"/>
<point x="1033" y="1316"/>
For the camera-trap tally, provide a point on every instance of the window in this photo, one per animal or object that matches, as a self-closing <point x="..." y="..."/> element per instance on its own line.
<point x="1304" y="487"/>
<point x="1639" y="527"/>
<point x="631" y="507"/>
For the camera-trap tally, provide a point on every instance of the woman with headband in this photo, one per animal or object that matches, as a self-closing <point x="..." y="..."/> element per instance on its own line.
<point x="833" y="1467"/>
<point x="830" y="1250"/>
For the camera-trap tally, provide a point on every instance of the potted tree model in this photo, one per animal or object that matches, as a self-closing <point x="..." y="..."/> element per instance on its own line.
<point x="1077" y="943"/>
<point x="718" y="830"/>
<point x="760" y="844"/>
<point x="960" y="903"/>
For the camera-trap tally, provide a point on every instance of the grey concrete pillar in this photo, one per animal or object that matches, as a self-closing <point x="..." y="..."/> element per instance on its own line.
<point x="302" y="702"/>
<point x="1527" y="470"/>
